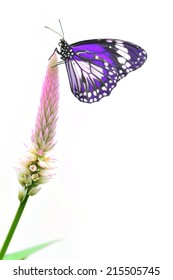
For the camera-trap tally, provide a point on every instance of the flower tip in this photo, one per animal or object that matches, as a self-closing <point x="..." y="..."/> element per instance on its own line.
<point x="53" y="61"/>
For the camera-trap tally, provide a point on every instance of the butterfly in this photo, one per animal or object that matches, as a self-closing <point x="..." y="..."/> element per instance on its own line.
<point x="94" y="67"/>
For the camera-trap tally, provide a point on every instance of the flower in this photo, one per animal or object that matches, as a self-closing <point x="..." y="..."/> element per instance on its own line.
<point x="36" y="167"/>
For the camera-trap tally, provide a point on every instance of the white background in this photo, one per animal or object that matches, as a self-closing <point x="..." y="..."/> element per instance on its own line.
<point x="112" y="196"/>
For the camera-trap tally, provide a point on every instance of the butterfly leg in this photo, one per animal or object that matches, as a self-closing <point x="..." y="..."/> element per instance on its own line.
<point x="59" y="63"/>
<point x="55" y="51"/>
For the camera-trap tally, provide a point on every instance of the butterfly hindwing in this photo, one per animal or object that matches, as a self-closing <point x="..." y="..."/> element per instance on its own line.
<point x="91" y="76"/>
<point x="97" y="65"/>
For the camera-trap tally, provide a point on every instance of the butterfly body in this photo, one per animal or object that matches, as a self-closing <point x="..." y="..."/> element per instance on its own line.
<point x="65" y="50"/>
<point x="95" y="66"/>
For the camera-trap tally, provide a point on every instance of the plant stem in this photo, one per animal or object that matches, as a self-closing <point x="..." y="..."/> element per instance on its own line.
<point x="13" y="227"/>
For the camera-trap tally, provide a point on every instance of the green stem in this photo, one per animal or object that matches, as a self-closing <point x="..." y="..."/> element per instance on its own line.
<point x="13" y="227"/>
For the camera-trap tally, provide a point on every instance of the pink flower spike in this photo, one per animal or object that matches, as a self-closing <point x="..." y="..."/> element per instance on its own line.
<point x="45" y="123"/>
<point x="36" y="168"/>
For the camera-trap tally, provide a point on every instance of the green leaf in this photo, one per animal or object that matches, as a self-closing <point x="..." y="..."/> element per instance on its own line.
<point x="21" y="255"/>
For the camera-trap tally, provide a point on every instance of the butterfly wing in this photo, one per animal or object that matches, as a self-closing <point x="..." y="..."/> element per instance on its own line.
<point x="97" y="65"/>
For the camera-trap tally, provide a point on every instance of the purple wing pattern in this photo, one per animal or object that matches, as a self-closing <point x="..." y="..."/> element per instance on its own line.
<point x="97" y="65"/>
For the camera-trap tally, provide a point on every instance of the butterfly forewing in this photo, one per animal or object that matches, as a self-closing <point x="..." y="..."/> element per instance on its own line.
<point x="97" y="65"/>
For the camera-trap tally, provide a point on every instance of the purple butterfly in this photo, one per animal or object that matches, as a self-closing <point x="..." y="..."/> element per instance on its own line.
<point x="95" y="66"/>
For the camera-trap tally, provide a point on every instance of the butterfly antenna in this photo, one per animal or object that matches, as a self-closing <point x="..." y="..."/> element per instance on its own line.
<point x="54" y="31"/>
<point x="61" y="28"/>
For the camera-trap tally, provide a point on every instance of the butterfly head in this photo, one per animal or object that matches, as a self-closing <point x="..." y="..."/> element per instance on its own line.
<point x="66" y="51"/>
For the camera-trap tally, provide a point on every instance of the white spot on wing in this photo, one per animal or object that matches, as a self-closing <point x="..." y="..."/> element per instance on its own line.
<point x="119" y="41"/>
<point x="121" y="47"/>
<point x="110" y="73"/>
<point x="128" y="64"/>
<point x="123" y="54"/>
